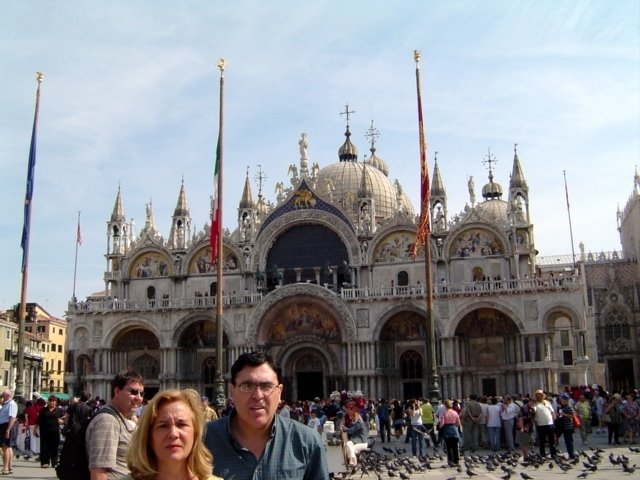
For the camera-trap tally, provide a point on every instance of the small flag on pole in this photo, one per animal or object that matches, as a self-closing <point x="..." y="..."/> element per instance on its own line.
<point x="215" y="218"/>
<point x="79" y="235"/>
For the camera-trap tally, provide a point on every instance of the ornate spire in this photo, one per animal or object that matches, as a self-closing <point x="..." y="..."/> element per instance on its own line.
<point x="181" y="207"/>
<point x="365" y="190"/>
<point x="247" y="198"/>
<point x="348" y="151"/>
<point x="180" y="234"/>
<point x="118" y="211"/>
<point x="437" y="186"/>
<point x="517" y="177"/>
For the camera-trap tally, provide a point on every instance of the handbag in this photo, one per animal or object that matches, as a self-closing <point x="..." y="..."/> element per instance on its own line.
<point x="577" y="422"/>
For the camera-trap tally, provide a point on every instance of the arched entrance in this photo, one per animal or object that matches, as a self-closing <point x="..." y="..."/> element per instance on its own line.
<point x="489" y="341"/>
<point x="304" y="334"/>
<point x="196" y="356"/>
<point x="82" y="369"/>
<point x="308" y="376"/>
<point x="140" y="349"/>
<point x="208" y="376"/>
<point x="411" y="374"/>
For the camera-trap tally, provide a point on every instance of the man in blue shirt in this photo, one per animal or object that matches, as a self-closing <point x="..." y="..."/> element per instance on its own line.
<point x="254" y="443"/>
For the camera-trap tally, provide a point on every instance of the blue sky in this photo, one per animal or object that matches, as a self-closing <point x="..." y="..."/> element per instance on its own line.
<point x="130" y="98"/>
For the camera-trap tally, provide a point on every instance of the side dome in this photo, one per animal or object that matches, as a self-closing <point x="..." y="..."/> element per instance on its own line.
<point x="346" y="177"/>
<point x="378" y="163"/>
<point x="492" y="190"/>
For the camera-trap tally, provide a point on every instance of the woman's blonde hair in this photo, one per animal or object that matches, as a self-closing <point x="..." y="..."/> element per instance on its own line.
<point x="141" y="458"/>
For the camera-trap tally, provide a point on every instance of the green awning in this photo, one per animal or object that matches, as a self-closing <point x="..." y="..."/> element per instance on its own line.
<point x="59" y="395"/>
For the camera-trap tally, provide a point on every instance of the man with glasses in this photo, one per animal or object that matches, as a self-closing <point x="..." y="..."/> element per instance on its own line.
<point x="255" y="443"/>
<point x="108" y="436"/>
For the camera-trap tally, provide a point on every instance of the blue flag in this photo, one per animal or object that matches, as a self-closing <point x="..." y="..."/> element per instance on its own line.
<point x="30" y="180"/>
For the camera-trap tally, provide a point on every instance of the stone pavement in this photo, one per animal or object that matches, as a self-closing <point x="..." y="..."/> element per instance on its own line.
<point x="440" y="471"/>
<point x="27" y="470"/>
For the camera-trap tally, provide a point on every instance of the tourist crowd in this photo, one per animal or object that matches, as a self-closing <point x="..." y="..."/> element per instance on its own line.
<point x="257" y="434"/>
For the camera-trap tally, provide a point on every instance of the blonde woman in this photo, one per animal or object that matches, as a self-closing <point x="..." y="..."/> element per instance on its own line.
<point x="168" y="443"/>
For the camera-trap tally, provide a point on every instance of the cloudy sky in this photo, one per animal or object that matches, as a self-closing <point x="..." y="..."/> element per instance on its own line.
<point x="130" y="99"/>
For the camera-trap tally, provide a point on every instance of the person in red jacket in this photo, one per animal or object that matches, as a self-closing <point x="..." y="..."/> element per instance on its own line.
<point x="31" y="417"/>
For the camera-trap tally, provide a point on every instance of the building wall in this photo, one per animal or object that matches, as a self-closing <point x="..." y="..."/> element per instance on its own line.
<point x="7" y="337"/>
<point x="50" y="333"/>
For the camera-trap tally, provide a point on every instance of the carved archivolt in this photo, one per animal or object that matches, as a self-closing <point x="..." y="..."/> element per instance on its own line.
<point x="327" y="297"/>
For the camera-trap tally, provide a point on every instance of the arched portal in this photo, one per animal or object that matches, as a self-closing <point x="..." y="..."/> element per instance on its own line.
<point x="148" y="366"/>
<point x="489" y="342"/>
<point x="309" y="378"/>
<point x="140" y="349"/>
<point x="305" y="373"/>
<point x="405" y="328"/>
<point x="304" y="333"/>
<point x="208" y="376"/>
<point x="82" y="370"/>
<point x="411" y="374"/>
<point x="196" y="355"/>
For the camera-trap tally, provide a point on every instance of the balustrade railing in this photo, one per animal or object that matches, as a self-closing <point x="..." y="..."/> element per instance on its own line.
<point x="349" y="294"/>
<point x="163" y="303"/>
<point x="466" y="288"/>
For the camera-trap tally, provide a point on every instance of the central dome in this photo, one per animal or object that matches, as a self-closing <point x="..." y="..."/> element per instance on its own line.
<point x="346" y="178"/>
<point x="493" y="210"/>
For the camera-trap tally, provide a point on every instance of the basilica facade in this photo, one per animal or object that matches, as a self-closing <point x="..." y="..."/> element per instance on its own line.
<point x="612" y="281"/>
<point x="324" y="279"/>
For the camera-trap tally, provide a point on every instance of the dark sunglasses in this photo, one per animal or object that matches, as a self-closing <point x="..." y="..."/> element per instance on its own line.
<point x="135" y="391"/>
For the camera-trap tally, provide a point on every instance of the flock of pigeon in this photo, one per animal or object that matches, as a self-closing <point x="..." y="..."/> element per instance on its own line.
<point x="396" y="463"/>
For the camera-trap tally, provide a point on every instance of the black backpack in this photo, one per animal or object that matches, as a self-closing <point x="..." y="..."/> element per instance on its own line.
<point x="73" y="463"/>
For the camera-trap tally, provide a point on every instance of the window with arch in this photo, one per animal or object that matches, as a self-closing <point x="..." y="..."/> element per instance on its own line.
<point x="209" y="370"/>
<point x="616" y="326"/>
<point x="477" y="274"/>
<point x="562" y="325"/>
<point x="411" y="365"/>
<point x="403" y="279"/>
<point x="151" y="292"/>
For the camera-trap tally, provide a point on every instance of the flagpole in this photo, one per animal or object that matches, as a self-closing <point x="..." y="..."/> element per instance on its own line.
<point x="75" y="264"/>
<point x="218" y="381"/>
<point x="566" y="192"/>
<point x="22" y="312"/>
<point x="424" y="236"/>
